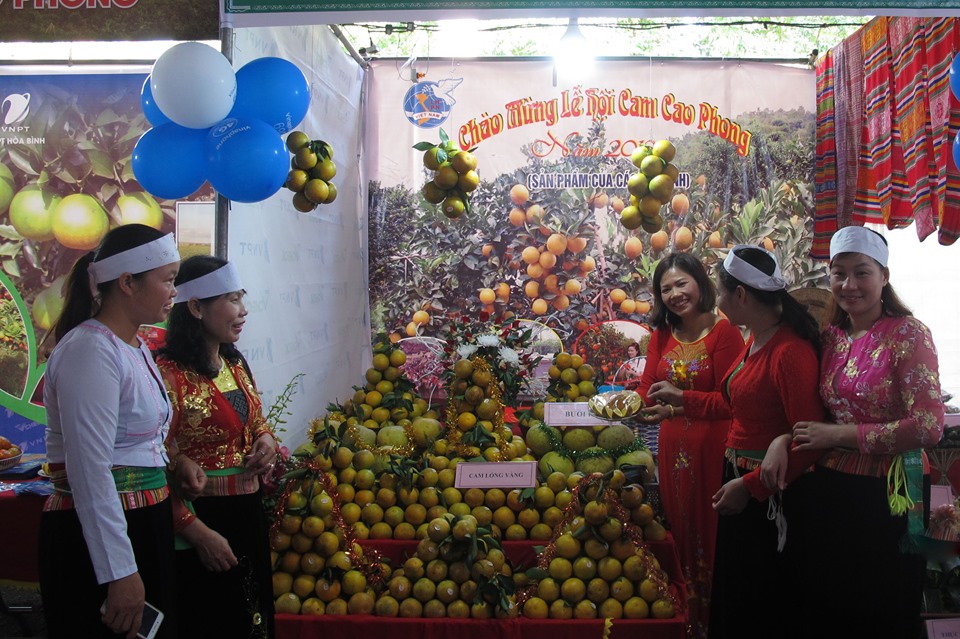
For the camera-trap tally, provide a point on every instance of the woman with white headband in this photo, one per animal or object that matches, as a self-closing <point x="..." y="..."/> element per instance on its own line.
<point x="106" y="535"/>
<point x="220" y="446"/>
<point x="771" y="386"/>
<point x="879" y="381"/>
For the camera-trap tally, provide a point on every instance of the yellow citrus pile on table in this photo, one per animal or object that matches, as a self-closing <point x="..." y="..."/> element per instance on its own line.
<point x="383" y="466"/>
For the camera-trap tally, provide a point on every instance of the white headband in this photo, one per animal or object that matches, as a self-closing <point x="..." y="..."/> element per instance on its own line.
<point x="225" y="279"/>
<point x="750" y="274"/>
<point x="857" y="239"/>
<point x="145" y="257"/>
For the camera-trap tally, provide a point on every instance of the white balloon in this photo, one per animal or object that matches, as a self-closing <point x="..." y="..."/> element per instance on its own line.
<point x="194" y="85"/>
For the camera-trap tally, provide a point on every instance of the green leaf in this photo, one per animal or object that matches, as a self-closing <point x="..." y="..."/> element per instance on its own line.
<point x="21" y="161"/>
<point x="424" y="146"/>
<point x="11" y="268"/>
<point x="10" y="233"/>
<point x="10" y="249"/>
<point x="101" y="163"/>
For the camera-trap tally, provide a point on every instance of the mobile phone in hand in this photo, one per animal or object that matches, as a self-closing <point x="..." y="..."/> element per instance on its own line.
<point x="150" y="622"/>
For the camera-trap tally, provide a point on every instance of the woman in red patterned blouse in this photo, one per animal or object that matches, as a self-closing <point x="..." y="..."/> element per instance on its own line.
<point x="222" y="445"/>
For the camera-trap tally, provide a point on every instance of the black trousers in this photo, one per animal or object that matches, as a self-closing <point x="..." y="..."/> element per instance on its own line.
<point x="68" y="585"/>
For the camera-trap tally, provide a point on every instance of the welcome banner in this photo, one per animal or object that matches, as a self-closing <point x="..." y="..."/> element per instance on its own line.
<point x="542" y="232"/>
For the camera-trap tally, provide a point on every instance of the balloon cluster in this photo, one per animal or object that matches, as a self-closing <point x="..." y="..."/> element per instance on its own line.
<point x="455" y="175"/>
<point x="311" y="173"/>
<point x="210" y="123"/>
<point x="650" y="187"/>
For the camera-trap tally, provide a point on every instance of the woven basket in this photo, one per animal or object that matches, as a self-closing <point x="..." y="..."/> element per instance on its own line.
<point x="10" y="462"/>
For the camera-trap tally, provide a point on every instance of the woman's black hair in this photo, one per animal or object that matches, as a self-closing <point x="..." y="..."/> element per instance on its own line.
<point x="80" y="305"/>
<point x="890" y="303"/>
<point x="185" y="343"/>
<point x="792" y="312"/>
<point x="695" y="269"/>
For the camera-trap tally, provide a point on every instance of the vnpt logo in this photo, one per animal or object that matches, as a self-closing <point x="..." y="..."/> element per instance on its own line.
<point x="15" y="108"/>
<point x="255" y="249"/>
<point x="261" y="352"/>
<point x="291" y="298"/>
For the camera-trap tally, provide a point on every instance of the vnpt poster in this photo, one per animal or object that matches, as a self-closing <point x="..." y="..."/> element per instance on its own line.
<point x="65" y="180"/>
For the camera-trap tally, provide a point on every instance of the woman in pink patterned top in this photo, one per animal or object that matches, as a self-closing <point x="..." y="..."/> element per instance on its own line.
<point x="880" y="384"/>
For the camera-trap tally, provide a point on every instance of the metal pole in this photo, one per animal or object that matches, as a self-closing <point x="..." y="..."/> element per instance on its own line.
<point x="222" y="215"/>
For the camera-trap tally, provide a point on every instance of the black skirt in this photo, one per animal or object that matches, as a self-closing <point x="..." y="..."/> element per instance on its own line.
<point x="854" y="580"/>
<point x="68" y="585"/>
<point x="752" y="581"/>
<point x="237" y="603"/>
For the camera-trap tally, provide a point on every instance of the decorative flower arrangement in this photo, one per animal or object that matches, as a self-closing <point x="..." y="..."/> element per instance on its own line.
<point x="502" y="345"/>
<point x="424" y="366"/>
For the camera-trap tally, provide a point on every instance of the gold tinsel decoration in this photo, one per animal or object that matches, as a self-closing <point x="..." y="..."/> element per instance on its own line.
<point x="501" y="435"/>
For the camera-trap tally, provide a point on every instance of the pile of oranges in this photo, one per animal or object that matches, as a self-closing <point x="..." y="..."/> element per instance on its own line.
<point x="311" y="173"/>
<point x="8" y="450"/>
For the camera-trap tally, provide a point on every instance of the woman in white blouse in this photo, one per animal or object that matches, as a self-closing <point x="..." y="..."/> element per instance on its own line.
<point x="106" y="536"/>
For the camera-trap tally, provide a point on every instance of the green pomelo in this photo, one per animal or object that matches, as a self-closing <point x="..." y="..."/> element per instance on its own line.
<point x="616" y="436"/>
<point x="538" y="441"/>
<point x="579" y="439"/>
<point x="555" y="462"/>
<point x="600" y="464"/>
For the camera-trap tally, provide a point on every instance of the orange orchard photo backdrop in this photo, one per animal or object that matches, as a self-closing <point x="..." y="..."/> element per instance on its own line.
<point x="541" y="236"/>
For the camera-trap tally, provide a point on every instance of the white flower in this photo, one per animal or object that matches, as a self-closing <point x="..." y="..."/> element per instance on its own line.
<point x="488" y="340"/>
<point x="465" y="351"/>
<point x="510" y="356"/>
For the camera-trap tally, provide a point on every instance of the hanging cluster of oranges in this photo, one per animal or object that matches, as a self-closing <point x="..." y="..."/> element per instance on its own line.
<point x="455" y="176"/>
<point x="651" y="186"/>
<point x="311" y="173"/>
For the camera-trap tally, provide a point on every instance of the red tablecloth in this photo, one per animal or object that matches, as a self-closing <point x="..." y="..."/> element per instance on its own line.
<point x="366" y="626"/>
<point x="521" y="553"/>
<point x="19" y="529"/>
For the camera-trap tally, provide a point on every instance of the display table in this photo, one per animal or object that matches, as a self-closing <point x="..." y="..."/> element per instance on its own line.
<point x="19" y="531"/>
<point x="523" y="555"/>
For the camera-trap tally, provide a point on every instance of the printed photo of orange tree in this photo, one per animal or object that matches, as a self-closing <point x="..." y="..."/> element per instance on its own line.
<point x="562" y="256"/>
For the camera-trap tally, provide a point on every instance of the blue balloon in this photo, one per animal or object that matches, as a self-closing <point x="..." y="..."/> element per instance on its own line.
<point x="169" y="161"/>
<point x="150" y="109"/>
<point x="955" y="76"/>
<point x="956" y="150"/>
<point x="247" y="159"/>
<point x="273" y="90"/>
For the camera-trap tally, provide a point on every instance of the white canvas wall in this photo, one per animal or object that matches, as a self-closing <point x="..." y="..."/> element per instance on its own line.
<point x="306" y="274"/>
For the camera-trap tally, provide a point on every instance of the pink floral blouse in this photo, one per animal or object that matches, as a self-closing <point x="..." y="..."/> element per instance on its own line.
<point x="887" y="383"/>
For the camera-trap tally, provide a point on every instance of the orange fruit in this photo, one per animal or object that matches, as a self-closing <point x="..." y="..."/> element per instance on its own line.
<point x="421" y="317"/>
<point x="140" y="208"/>
<point x="539" y="306"/>
<point x="325" y="170"/>
<point x="633" y="247"/>
<point x="519" y="194"/>
<point x="618" y="295"/>
<point x="659" y="240"/>
<point x="79" y="222"/>
<point x="682" y="238"/>
<point x="557" y="243"/>
<point x="680" y="204"/>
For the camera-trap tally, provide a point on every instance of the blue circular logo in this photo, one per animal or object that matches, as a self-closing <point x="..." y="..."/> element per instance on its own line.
<point x="422" y="106"/>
